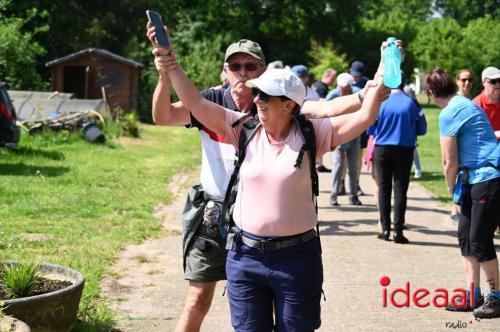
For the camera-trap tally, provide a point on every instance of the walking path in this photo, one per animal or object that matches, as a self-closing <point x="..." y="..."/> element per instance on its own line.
<point x="147" y="289"/>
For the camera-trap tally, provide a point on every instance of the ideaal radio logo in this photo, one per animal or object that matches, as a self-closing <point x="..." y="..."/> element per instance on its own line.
<point x="423" y="297"/>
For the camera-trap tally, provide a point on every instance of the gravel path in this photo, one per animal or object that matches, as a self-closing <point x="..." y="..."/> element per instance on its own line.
<point x="147" y="289"/>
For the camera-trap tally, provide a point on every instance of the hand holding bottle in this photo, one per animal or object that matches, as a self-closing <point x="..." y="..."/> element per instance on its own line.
<point x="392" y="59"/>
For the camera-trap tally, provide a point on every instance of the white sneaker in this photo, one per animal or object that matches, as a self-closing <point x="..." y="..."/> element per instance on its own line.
<point x="418" y="174"/>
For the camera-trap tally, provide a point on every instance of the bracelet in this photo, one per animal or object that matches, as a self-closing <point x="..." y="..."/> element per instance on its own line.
<point x="360" y="98"/>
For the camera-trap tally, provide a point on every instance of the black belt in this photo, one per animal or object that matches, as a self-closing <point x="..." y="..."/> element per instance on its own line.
<point x="276" y="244"/>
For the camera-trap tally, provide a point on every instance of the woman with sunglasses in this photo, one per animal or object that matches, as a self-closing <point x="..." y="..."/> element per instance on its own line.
<point x="464" y="82"/>
<point x="273" y="205"/>
<point x="470" y="152"/>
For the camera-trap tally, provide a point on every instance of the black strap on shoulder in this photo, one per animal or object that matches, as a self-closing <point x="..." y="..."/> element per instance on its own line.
<point x="307" y="130"/>
<point x="248" y="131"/>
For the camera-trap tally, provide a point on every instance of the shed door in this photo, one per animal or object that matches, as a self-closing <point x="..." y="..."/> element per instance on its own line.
<point x="75" y="80"/>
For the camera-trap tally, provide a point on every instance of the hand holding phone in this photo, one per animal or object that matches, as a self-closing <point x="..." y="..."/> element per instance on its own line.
<point x="160" y="35"/>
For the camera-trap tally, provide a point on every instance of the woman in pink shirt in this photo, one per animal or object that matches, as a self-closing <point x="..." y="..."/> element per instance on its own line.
<point x="275" y="257"/>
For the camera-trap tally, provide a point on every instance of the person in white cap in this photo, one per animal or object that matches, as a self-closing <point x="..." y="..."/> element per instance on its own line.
<point x="346" y="152"/>
<point x="275" y="257"/>
<point x="489" y="98"/>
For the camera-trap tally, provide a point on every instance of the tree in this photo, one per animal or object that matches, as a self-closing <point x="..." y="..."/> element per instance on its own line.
<point x="324" y="57"/>
<point x="439" y="44"/>
<point x="464" y="11"/>
<point x="18" y="54"/>
<point x="444" y="43"/>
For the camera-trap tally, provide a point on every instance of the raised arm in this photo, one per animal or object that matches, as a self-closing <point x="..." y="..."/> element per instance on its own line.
<point x="340" y="105"/>
<point x="209" y="114"/>
<point x="328" y="108"/>
<point x="349" y="126"/>
<point x="163" y="111"/>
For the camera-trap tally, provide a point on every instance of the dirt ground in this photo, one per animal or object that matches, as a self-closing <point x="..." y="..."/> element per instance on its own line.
<point x="137" y="284"/>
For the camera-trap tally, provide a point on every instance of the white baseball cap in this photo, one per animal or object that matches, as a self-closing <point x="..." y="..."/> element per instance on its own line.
<point x="280" y="82"/>
<point x="344" y="79"/>
<point x="491" y="73"/>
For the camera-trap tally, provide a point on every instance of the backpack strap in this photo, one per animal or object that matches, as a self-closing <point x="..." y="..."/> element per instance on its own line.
<point x="248" y="131"/>
<point x="307" y="130"/>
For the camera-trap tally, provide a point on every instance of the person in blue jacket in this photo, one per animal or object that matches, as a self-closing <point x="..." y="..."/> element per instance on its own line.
<point x="398" y="124"/>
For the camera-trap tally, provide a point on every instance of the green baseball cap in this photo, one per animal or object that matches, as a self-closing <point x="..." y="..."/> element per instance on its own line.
<point x="245" y="46"/>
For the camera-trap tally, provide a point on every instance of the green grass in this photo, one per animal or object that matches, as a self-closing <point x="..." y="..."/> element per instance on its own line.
<point x="430" y="157"/>
<point x="65" y="201"/>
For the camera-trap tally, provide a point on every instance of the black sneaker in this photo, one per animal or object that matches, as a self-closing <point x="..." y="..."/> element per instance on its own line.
<point x="478" y="302"/>
<point x="355" y="201"/>
<point x="489" y="309"/>
<point x="322" y="169"/>
<point x="333" y="201"/>
<point x="400" y="238"/>
<point x="455" y="216"/>
<point x="384" y="235"/>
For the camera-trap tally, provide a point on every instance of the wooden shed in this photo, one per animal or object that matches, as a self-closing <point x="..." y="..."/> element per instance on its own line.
<point x="95" y="73"/>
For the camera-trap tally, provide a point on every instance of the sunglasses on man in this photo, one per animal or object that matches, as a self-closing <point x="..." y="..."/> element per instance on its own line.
<point x="493" y="82"/>
<point x="249" y="66"/>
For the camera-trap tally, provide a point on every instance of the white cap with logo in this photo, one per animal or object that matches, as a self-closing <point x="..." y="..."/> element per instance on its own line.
<point x="280" y="82"/>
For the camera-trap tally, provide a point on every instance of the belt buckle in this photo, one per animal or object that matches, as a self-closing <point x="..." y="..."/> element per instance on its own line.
<point x="265" y="246"/>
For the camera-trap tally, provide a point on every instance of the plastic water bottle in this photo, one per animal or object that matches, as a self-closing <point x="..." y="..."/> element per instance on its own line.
<point x="392" y="64"/>
<point x="211" y="216"/>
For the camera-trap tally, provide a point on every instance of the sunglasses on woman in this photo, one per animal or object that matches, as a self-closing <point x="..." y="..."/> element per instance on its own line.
<point x="264" y="97"/>
<point x="249" y="66"/>
<point x="463" y="80"/>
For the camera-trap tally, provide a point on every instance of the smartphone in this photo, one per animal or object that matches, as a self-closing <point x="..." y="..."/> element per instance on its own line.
<point x="161" y="36"/>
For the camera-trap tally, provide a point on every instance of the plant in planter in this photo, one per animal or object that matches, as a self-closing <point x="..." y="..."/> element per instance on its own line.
<point x="16" y="280"/>
<point x="44" y="296"/>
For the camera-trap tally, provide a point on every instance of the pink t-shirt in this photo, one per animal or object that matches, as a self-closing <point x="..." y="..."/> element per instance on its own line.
<point x="274" y="197"/>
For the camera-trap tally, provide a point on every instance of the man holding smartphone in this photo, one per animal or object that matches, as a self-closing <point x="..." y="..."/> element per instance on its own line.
<point x="204" y="257"/>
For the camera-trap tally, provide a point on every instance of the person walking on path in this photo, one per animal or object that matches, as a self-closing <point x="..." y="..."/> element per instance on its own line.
<point x="471" y="159"/>
<point x="464" y="82"/>
<point x="274" y="209"/>
<point x="347" y="151"/>
<point x="204" y="256"/>
<point x="398" y="124"/>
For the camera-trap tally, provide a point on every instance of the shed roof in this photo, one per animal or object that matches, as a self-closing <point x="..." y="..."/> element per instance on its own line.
<point x="99" y="51"/>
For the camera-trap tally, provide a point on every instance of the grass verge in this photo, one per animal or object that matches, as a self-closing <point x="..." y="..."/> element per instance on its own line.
<point x="68" y="202"/>
<point x="430" y="157"/>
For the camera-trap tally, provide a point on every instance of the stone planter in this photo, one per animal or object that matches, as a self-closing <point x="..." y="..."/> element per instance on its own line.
<point x="9" y="324"/>
<point x="54" y="311"/>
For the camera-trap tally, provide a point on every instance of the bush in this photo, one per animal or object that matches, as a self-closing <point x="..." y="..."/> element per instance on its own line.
<point x="19" y="56"/>
<point x="325" y="56"/>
